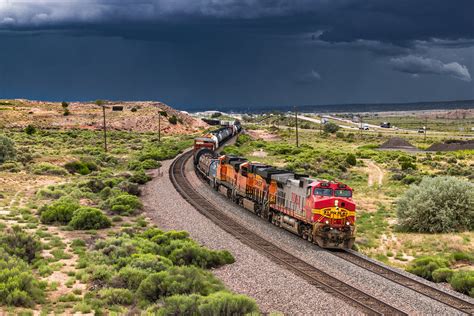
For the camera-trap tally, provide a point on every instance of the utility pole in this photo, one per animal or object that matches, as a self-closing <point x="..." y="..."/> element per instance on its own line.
<point x="425" y="127"/>
<point x="159" y="125"/>
<point x="296" y="124"/>
<point x="101" y="103"/>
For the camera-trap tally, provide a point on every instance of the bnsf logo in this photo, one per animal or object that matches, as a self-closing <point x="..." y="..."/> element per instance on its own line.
<point x="334" y="213"/>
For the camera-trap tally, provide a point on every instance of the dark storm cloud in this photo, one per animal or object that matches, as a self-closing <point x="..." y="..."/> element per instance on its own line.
<point x="417" y="65"/>
<point x="399" y="22"/>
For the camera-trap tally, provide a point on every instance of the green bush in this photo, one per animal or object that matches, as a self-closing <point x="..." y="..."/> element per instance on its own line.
<point x="18" y="287"/>
<point x="116" y="296"/>
<point x="11" y="167"/>
<point x="442" y="275"/>
<point x="201" y="257"/>
<point x="351" y="159"/>
<point x="19" y="243"/>
<point x="7" y="149"/>
<point x="463" y="281"/>
<point x="45" y="168"/>
<point x="131" y="278"/>
<point x="173" y="120"/>
<point x="60" y="211"/>
<point x="81" y="167"/>
<point x="150" y="262"/>
<point x="129" y="187"/>
<point x="441" y="204"/>
<point x="331" y="128"/>
<point x="425" y="266"/>
<point x="124" y="204"/>
<point x="178" y="280"/>
<point x="219" y="303"/>
<point x="89" y="218"/>
<point x="224" y="303"/>
<point x="30" y="130"/>
<point x="139" y="177"/>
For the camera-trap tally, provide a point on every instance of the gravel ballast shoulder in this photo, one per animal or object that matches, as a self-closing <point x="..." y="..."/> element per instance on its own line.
<point x="398" y="296"/>
<point x="274" y="288"/>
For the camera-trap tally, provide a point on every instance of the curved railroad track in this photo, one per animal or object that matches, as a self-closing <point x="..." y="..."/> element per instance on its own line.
<point x="394" y="276"/>
<point x="314" y="276"/>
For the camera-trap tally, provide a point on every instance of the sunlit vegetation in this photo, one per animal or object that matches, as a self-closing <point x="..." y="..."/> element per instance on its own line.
<point x="78" y="216"/>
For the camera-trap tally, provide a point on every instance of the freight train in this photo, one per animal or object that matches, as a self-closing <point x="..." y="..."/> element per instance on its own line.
<point x="214" y="139"/>
<point x="319" y="211"/>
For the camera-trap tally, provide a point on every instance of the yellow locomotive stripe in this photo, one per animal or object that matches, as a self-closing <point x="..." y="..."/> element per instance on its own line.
<point x="334" y="212"/>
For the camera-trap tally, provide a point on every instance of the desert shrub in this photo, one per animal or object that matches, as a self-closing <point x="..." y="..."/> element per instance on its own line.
<point x="7" y="149"/>
<point x="425" y="266"/>
<point x="18" y="287"/>
<point x="100" y="273"/>
<point x="150" y="164"/>
<point x="81" y="167"/>
<point x="410" y="179"/>
<point x="201" y="257"/>
<point x="132" y="277"/>
<point x="150" y="262"/>
<point x="60" y="211"/>
<point x="19" y="243"/>
<point x="116" y="296"/>
<point x="351" y="159"/>
<point x="405" y="165"/>
<point x="94" y="184"/>
<point x="89" y="218"/>
<point x="442" y="275"/>
<point x="219" y="303"/>
<point x="331" y="128"/>
<point x="11" y="166"/>
<point x="463" y="281"/>
<point x="30" y="130"/>
<point x="173" y="120"/>
<point x="178" y="280"/>
<point x="441" y="204"/>
<point x="462" y="256"/>
<point x="129" y="187"/>
<point x="139" y="177"/>
<point x="45" y="168"/>
<point x="124" y="204"/>
<point x="224" y="303"/>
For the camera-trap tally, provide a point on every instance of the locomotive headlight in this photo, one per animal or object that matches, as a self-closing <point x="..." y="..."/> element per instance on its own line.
<point x="336" y="203"/>
<point x="347" y="223"/>
<point x="327" y="222"/>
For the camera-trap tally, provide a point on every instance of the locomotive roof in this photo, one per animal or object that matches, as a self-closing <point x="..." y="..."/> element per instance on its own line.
<point x="268" y="172"/>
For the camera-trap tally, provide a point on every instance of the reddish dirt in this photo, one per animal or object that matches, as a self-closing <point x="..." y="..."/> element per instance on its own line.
<point x="20" y="113"/>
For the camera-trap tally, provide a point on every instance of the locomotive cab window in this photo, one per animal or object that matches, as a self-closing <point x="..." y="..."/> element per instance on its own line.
<point x="343" y="193"/>
<point x="323" y="192"/>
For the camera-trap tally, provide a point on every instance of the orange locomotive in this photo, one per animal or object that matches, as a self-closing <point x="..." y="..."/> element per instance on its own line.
<point x="319" y="211"/>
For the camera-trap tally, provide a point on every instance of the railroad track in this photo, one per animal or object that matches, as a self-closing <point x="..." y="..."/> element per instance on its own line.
<point x="314" y="276"/>
<point x="394" y="276"/>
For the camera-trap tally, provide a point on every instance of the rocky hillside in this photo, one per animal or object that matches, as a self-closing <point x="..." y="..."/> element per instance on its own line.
<point x="136" y="116"/>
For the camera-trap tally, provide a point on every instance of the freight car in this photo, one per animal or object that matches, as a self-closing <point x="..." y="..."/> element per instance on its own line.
<point x="319" y="211"/>
<point x="214" y="139"/>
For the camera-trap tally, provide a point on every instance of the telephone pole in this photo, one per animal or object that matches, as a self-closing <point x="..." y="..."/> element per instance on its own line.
<point x="104" y="123"/>
<point x="159" y="125"/>
<point x="296" y="124"/>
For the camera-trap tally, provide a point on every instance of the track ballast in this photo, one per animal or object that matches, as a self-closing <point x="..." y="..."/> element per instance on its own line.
<point x="314" y="276"/>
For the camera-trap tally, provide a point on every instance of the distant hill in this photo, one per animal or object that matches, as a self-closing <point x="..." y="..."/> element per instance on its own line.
<point x="136" y="116"/>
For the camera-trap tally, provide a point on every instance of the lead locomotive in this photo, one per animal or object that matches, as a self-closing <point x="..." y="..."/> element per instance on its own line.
<point x="319" y="211"/>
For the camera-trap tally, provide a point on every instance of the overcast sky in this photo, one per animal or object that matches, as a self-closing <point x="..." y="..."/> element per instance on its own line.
<point x="237" y="52"/>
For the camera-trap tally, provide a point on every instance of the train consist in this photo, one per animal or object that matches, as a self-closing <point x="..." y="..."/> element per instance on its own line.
<point x="319" y="211"/>
<point x="216" y="138"/>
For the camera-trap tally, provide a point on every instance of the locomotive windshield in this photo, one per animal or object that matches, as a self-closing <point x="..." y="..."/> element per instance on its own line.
<point x="323" y="192"/>
<point x="343" y="193"/>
